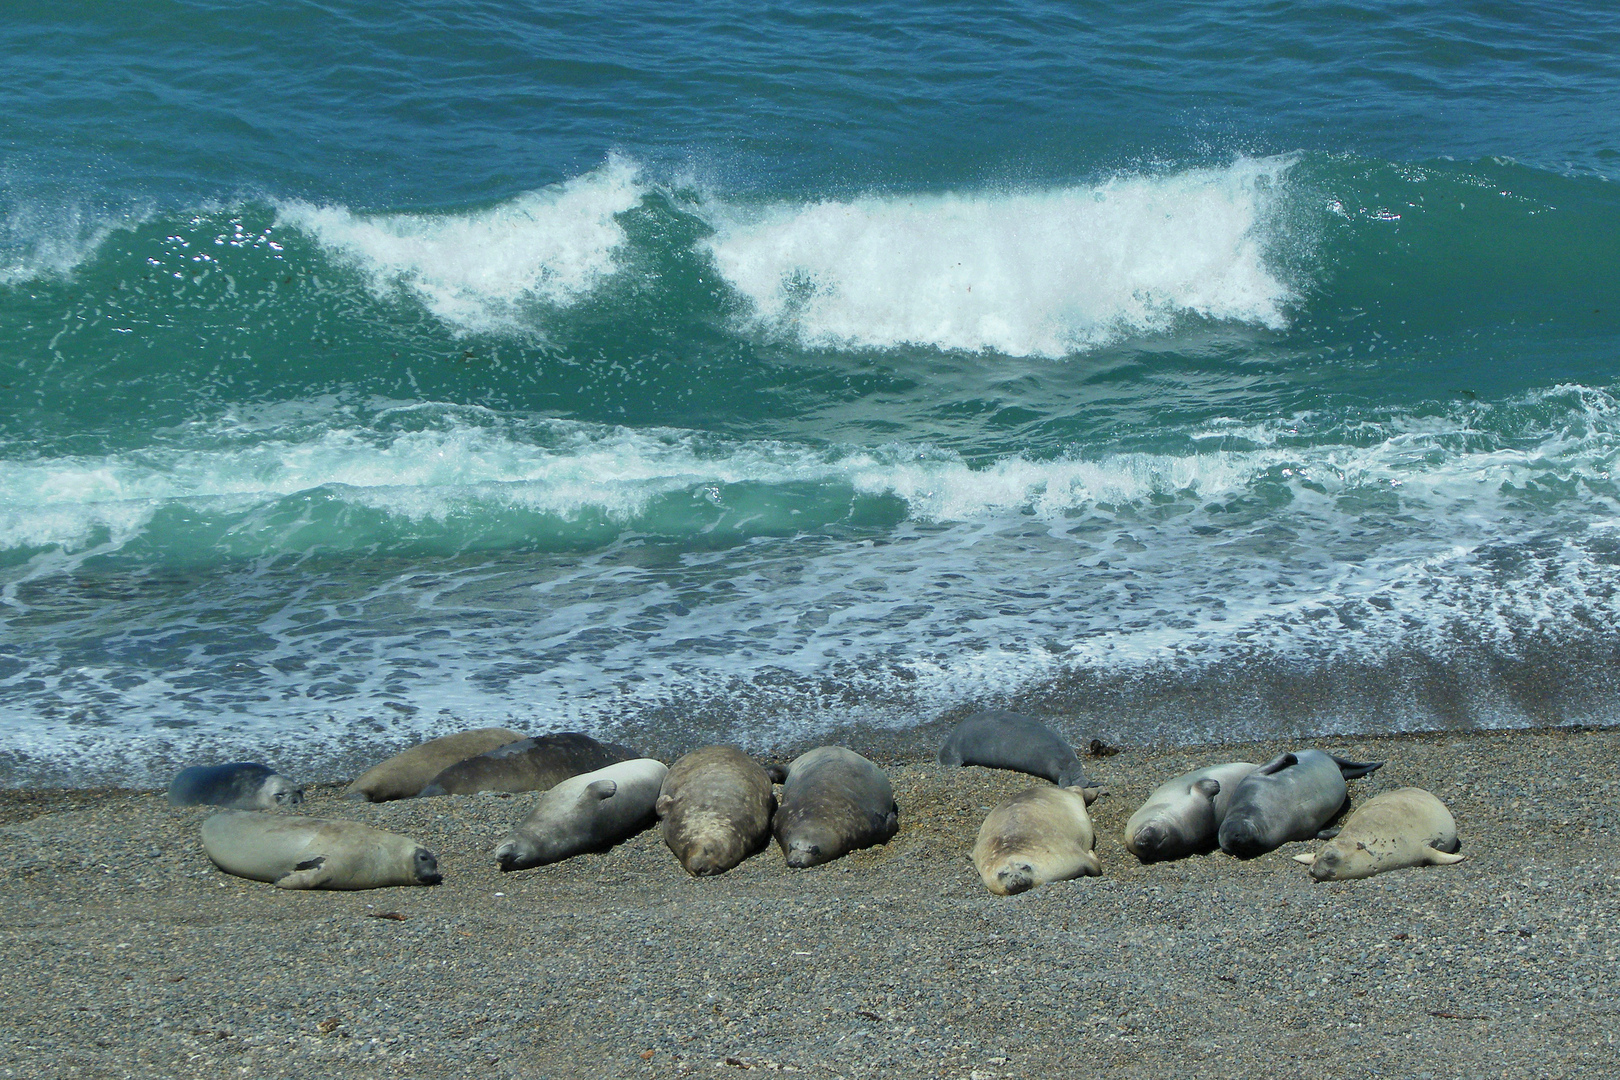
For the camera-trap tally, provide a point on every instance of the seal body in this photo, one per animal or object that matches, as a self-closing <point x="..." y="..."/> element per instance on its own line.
<point x="312" y="853"/>
<point x="1041" y="834"/>
<point x="527" y="765"/>
<point x="1289" y="798"/>
<point x="1404" y="827"/>
<point x="588" y="812"/>
<point x="715" y="809"/>
<point x="409" y="771"/>
<point x="833" y="802"/>
<point x="242" y="785"/>
<point x="1183" y="816"/>
<point x="1008" y="740"/>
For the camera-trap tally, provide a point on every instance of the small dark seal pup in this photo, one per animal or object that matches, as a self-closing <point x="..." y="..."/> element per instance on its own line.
<point x="528" y="765"/>
<point x="1009" y="740"/>
<point x="241" y="785"/>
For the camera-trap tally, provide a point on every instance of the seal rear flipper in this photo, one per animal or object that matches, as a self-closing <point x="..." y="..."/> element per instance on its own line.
<point x="1327" y="834"/>
<point x="1355" y="770"/>
<point x="1277" y="764"/>
<point x="1434" y="857"/>
<point x="309" y="874"/>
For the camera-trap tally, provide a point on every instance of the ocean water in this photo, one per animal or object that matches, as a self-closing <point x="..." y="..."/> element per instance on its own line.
<point x="1189" y="371"/>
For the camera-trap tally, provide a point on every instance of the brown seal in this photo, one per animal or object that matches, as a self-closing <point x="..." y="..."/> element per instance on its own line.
<point x="409" y="771"/>
<point x="528" y="765"/>
<point x="716" y="806"/>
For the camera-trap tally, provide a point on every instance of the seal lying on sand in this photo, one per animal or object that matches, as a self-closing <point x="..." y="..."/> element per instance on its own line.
<point x="1183" y="816"/>
<point x="1041" y="834"/>
<point x="1404" y="827"/>
<point x="1008" y="740"/>
<point x="243" y="785"/>
<point x="409" y="771"/>
<point x="527" y="765"/>
<point x="1289" y="798"/>
<point x="716" y="807"/>
<point x="309" y="853"/>
<point x="588" y="812"/>
<point x="833" y="802"/>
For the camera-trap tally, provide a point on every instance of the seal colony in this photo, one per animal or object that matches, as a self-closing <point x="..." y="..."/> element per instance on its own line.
<point x="717" y="807"/>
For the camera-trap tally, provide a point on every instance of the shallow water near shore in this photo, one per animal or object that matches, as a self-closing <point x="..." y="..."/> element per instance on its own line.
<point x="798" y="376"/>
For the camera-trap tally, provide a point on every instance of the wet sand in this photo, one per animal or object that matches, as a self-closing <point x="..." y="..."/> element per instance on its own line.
<point x="129" y="954"/>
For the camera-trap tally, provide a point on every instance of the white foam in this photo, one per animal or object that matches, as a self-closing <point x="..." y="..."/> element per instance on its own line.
<point x="39" y="242"/>
<point x="478" y="270"/>
<point x="454" y="458"/>
<point x="1022" y="273"/>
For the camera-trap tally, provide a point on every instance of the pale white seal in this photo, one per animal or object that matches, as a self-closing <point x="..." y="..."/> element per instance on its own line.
<point x="1039" y="835"/>
<point x="312" y="853"/>
<point x="1404" y="827"/>
<point x="589" y="812"/>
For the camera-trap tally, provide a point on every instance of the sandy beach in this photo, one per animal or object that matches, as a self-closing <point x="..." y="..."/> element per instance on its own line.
<point x="129" y="954"/>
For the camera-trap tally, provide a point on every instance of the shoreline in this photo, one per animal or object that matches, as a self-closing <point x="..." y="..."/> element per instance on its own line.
<point x="131" y="955"/>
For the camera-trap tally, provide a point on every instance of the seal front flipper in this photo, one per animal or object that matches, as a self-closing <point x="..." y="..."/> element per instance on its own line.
<point x="1355" y="770"/>
<point x="309" y="874"/>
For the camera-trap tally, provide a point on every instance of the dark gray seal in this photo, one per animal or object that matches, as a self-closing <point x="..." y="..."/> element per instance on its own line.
<point x="528" y="765"/>
<point x="833" y="802"/>
<point x="715" y="808"/>
<point x="1289" y="798"/>
<point x="241" y="785"/>
<point x="1009" y="740"/>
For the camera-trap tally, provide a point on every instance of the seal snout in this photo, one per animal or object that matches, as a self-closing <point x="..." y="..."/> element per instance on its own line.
<point x="1149" y="842"/>
<point x="426" y="867"/>
<point x="1015" y="878"/>
<point x="803" y="854"/>
<point x="1242" y="839"/>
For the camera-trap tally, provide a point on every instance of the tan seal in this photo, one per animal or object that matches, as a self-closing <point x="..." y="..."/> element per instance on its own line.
<point x="1404" y="827"/>
<point x="409" y="771"/>
<point x="312" y="853"/>
<point x="715" y="807"/>
<point x="1039" y="835"/>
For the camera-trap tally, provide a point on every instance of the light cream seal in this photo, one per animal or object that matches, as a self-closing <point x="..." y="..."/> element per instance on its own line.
<point x="1404" y="827"/>
<point x="1039" y="835"/>
<point x="314" y="853"/>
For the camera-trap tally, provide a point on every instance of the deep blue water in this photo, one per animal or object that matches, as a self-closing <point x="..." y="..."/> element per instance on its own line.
<point x="1185" y="371"/>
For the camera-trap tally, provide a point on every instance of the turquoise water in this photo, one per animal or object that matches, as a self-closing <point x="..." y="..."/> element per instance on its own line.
<point x="1201" y="371"/>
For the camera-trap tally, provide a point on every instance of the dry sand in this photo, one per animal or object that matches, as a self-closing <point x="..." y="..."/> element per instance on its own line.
<point x="128" y="954"/>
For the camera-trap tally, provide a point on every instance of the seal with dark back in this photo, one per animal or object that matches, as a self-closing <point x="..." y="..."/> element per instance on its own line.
<point x="528" y="765"/>
<point x="1007" y="740"/>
